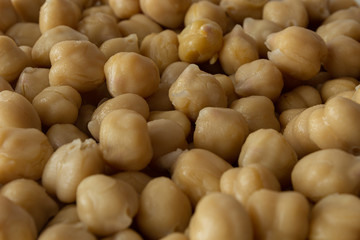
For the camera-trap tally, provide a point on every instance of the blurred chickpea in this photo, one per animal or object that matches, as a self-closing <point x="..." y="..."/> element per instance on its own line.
<point x="298" y="52"/>
<point x="8" y="15"/>
<point x="334" y="216"/>
<point x="57" y="104"/>
<point x="175" y="236"/>
<point x="336" y="5"/>
<point x="243" y="182"/>
<point x="121" y="44"/>
<point x="5" y="85"/>
<point x="67" y="214"/>
<point x="347" y="13"/>
<point x="287" y="217"/>
<point x="170" y="14"/>
<point x="117" y="203"/>
<point x="32" y="197"/>
<point x="173" y="71"/>
<point x="125" y="8"/>
<point x="127" y="234"/>
<point x="238" y="10"/>
<point x="226" y="213"/>
<point x="317" y="10"/>
<point x="24" y="33"/>
<point x="159" y="100"/>
<point x="129" y="72"/>
<point x="347" y="27"/>
<point x="138" y="180"/>
<point x="334" y="86"/>
<point x="238" y="48"/>
<point x="58" y="12"/>
<point x="228" y="86"/>
<point x="67" y="231"/>
<point x="84" y="116"/>
<point x="60" y="134"/>
<point x="287" y="115"/>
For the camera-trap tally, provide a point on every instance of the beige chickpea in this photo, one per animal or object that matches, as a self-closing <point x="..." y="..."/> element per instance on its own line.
<point x="347" y="27"/>
<point x="279" y="215"/>
<point x="334" y="216"/>
<point x="27" y="50"/>
<point x="194" y="89"/>
<point x="226" y="213"/>
<point x="258" y="111"/>
<point x="85" y="4"/>
<point x="197" y="172"/>
<point x="175" y="236"/>
<point x="60" y="134"/>
<point x="8" y="15"/>
<point x="138" y="180"/>
<point x="125" y="141"/>
<point x="120" y="44"/>
<point x="238" y="10"/>
<point x="158" y="217"/>
<point x="325" y="172"/>
<point x="286" y="116"/>
<point x="298" y="52"/>
<point x="5" y="85"/>
<point x="41" y="49"/>
<point x="98" y="9"/>
<point x="15" y="221"/>
<point x="129" y="72"/>
<point x="30" y="161"/>
<point x="159" y="100"/>
<point x="238" y="48"/>
<point x="336" y="5"/>
<point x="67" y="214"/>
<point x="60" y="231"/>
<point x="170" y="14"/>
<point x="57" y="104"/>
<point x="12" y="59"/>
<point x="200" y="41"/>
<point x="228" y="86"/>
<point x="24" y="33"/>
<point x="58" y="12"/>
<point x="32" y="197"/>
<point x="126" y="8"/>
<point x="79" y="64"/>
<point x="116" y="204"/>
<point x="84" y="116"/>
<point x="28" y="12"/>
<point x="127" y="234"/>
<point x="17" y="111"/>
<point x="347" y="13"/>
<point x="335" y="86"/>
<point x="173" y="71"/>
<point x="317" y="10"/>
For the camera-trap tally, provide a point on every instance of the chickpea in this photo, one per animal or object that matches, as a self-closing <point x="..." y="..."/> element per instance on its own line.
<point x="238" y="48"/>
<point x="334" y="216"/>
<point x="117" y="203"/>
<point x="126" y="8"/>
<point x="335" y="86"/>
<point x="286" y="116"/>
<point x="66" y="215"/>
<point x="60" y="134"/>
<point x="121" y="44"/>
<point x="127" y="234"/>
<point x="173" y="71"/>
<point x="317" y="10"/>
<point x="5" y="85"/>
<point x="228" y="86"/>
<point x="84" y="117"/>
<point x="347" y="27"/>
<point x="124" y="140"/>
<point x="238" y="10"/>
<point x="24" y="33"/>
<point x="8" y="15"/>
<point x="159" y="100"/>
<point x="226" y="213"/>
<point x="286" y="217"/>
<point x="175" y="236"/>
<point x="348" y="13"/>
<point x="32" y="197"/>
<point x="336" y="5"/>
<point x="297" y="52"/>
<point x="98" y="9"/>
<point x="66" y="231"/>
<point x="138" y="180"/>
<point x="170" y="14"/>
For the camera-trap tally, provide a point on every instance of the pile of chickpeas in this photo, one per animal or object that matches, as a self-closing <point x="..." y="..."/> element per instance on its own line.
<point x="180" y="119"/>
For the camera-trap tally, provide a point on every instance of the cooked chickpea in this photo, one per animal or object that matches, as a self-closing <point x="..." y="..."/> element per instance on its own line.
<point x="121" y="44"/>
<point x="175" y="236"/>
<point x="348" y="13"/>
<point x="238" y="10"/>
<point x="67" y="214"/>
<point x="5" y="85"/>
<point x="60" y="134"/>
<point x="173" y="71"/>
<point x="317" y="10"/>
<point x="138" y="180"/>
<point x="347" y="27"/>
<point x="125" y="8"/>
<point x="67" y="231"/>
<point x="336" y="5"/>
<point x="28" y="11"/>
<point x="84" y="117"/>
<point x="127" y="234"/>
<point x="8" y="15"/>
<point x="335" y="86"/>
<point x="286" y="116"/>
<point x="32" y="197"/>
<point x="228" y="86"/>
<point x="226" y="213"/>
<point x="24" y="33"/>
<point x="159" y="100"/>
<point x="98" y="8"/>
<point x="116" y="204"/>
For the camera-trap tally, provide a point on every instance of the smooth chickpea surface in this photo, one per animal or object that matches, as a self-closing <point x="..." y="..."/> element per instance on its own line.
<point x="120" y="44"/>
<point x="238" y="10"/>
<point x="8" y="15"/>
<point x="67" y="214"/>
<point x="138" y="180"/>
<point x="66" y="231"/>
<point x="127" y="234"/>
<point x="317" y="10"/>
<point x="175" y="236"/>
<point x="125" y="9"/>
<point x="28" y="12"/>
<point x="347" y="27"/>
<point x="60" y="134"/>
<point x="335" y="86"/>
<point x="24" y="33"/>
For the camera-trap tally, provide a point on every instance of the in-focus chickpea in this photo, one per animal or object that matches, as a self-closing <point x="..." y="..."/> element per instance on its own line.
<point x="238" y="10"/>
<point x="138" y="180"/>
<point x="60" y="134"/>
<point x="173" y="71"/>
<point x="125" y="8"/>
<point x="67" y="214"/>
<point x="5" y="85"/>
<point x="158" y="217"/>
<point x="84" y="116"/>
<point x="116" y="204"/>
<point x="57" y="104"/>
<point x="279" y="215"/>
<point x="336" y="5"/>
<point x="348" y="13"/>
<point x="175" y="236"/>
<point x="317" y="10"/>
<point x="286" y="116"/>
<point x="335" y="216"/>
<point x="30" y="161"/>
<point x="238" y="48"/>
<point x="228" y="86"/>
<point x="220" y="216"/>
<point x="24" y="33"/>
<point x="335" y="86"/>
<point x="127" y="234"/>
<point x="32" y="197"/>
<point x="8" y="15"/>
<point x="170" y="14"/>
<point x="125" y="141"/>
<point x="28" y="11"/>
<point x="58" y="12"/>
<point x="121" y="44"/>
<point x="67" y="231"/>
<point x="347" y="27"/>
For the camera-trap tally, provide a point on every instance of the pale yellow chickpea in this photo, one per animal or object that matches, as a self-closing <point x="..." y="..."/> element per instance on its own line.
<point x="124" y="140"/>
<point x="170" y="14"/>
<point x="67" y="214"/>
<point x="17" y="111"/>
<point x="125" y="8"/>
<point x="138" y="180"/>
<point x="173" y="71"/>
<point x="98" y="8"/>
<point x="238" y="48"/>
<point x="159" y="100"/>
<point x="175" y="236"/>
<point x="238" y="10"/>
<point x="347" y="27"/>
<point x="129" y="72"/>
<point x="57" y="104"/>
<point x="228" y="86"/>
<point x="84" y="116"/>
<point x="24" y="33"/>
<point x="8" y="15"/>
<point x="298" y="52"/>
<point x="26" y="10"/>
<point x="5" y="85"/>
<point x="60" y="134"/>
<point x="15" y="221"/>
<point x="30" y="161"/>
<point x="197" y="172"/>
<point x="58" y="12"/>
<point x="200" y="41"/>
<point x="158" y="217"/>
<point x="347" y="13"/>
<point x="336" y="5"/>
<point x="120" y="44"/>
<point x="127" y="234"/>
<point x="258" y="111"/>
<point x="279" y="215"/>
<point x="335" y="86"/>
<point x="32" y="197"/>
<point x="286" y="116"/>
<point x="67" y="231"/>
<point x="116" y="204"/>
<point x="335" y="216"/>
<point x="28" y="51"/>
<point x="220" y="216"/>
<point x="317" y="10"/>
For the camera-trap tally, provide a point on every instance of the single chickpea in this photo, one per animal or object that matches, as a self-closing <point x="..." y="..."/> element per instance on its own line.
<point x="347" y="27"/>
<point x="138" y="180"/>
<point x="317" y="10"/>
<point x="238" y="10"/>
<point x="30" y="161"/>
<point x="335" y="86"/>
<point x="126" y="8"/>
<point x="238" y="48"/>
<point x="228" y="86"/>
<point x="5" y="85"/>
<point x="334" y="216"/>
<point x="67" y="214"/>
<point x="325" y="172"/>
<point x="60" y="134"/>
<point x="85" y="3"/>
<point x="197" y="172"/>
<point x="28" y="51"/>
<point x="226" y="213"/>
<point x="32" y="197"/>
<point x="336" y="5"/>
<point x="127" y="234"/>
<point x="159" y="100"/>
<point x="286" y="116"/>
<point x="67" y="231"/>
<point x="57" y="104"/>
<point x="158" y="217"/>
<point x="200" y="41"/>
<point x="286" y="217"/>
<point x="170" y="14"/>
<point x="347" y="13"/>
<point x="84" y="117"/>
<point x="194" y="89"/>
<point x="243" y="182"/>
<point x="297" y="52"/>
<point x="24" y="33"/>
<point x="117" y="203"/>
<point x="124" y="140"/>
<point x="58" y="12"/>
<point x="175" y="236"/>
<point x="41" y="49"/>
<point x="8" y="15"/>
<point x="121" y="44"/>
<point x="98" y="9"/>
<point x="129" y="72"/>
<point x="172" y="72"/>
